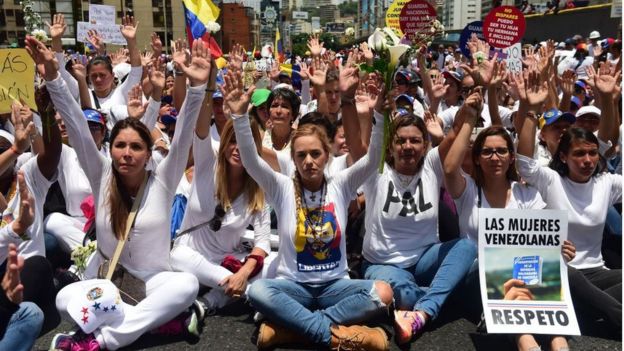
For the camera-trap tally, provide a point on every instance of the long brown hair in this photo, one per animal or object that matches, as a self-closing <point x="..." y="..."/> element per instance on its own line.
<point x="119" y="200"/>
<point x="255" y="195"/>
<point x="512" y="173"/>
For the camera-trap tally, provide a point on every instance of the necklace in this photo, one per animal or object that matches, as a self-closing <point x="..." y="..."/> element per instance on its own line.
<point x="315" y="226"/>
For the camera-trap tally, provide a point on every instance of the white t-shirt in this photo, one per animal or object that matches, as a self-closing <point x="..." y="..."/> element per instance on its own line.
<point x="147" y="250"/>
<point x="586" y="203"/>
<point x="201" y="208"/>
<point x="402" y="222"/>
<point x="570" y="63"/>
<point x="38" y="186"/>
<point x="522" y="197"/>
<point x="304" y="256"/>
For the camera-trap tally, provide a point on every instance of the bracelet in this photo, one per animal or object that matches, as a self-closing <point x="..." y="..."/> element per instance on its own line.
<point x="178" y="73"/>
<point x="210" y="90"/>
<point x="235" y="116"/>
<point x="347" y="100"/>
<point x="15" y="150"/>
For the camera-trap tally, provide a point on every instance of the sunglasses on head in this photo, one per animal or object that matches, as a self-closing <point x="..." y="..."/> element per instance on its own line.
<point x="217" y="219"/>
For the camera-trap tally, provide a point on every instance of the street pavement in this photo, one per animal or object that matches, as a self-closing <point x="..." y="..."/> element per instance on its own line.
<point x="234" y="329"/>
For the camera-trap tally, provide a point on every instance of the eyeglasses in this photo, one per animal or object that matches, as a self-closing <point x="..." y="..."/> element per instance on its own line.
<point x="217" y="219"/>
<point x="499" y="151"/>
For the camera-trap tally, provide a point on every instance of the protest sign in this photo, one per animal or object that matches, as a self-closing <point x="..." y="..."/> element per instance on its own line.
<point x="525" y="245"/>
<point x="416" y="16"/>
<point x="111" y="34"/>
<point x="393" y="14"/>
<point x="504" y="26"/>
<point x="17" y="79"/>
<point x="514" y="58"/>
<point x="101" y="14"/>
<point x="472" y="27"/>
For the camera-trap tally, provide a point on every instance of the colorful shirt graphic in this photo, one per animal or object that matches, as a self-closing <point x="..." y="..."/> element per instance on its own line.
<point x="317" y="251"/>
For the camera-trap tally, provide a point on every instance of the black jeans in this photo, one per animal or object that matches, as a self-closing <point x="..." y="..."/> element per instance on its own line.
<point x="598" y="291"/>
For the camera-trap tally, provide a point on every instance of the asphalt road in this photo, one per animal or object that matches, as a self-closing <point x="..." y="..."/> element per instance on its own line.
<point x="234" y="329"/>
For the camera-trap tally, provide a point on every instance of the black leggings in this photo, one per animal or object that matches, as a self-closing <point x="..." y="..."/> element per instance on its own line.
<point x="599" y="292"/>
<point x="39" y="288"/>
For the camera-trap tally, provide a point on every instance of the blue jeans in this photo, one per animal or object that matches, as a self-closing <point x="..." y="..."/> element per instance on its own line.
<point x="23" y="329"/>
<point x="440" y="268"/>
<point x="311" y="309"/>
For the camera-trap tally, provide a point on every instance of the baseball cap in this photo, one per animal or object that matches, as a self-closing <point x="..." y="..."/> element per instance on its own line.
<point x="607" y="43"/>
<point x="260" y="96"/>
<point x="453" y="75"/>
<point x="553" y="115"/>
<point x="588" y="110"/>
<point x="94" y="116"/>
<point x="407" y="75"/>
<point x="217" y="94"/>
<point x="594" y="35"/>
<point x="576" y="101"/>
<point x="581" y="84"/>
<point x="405" y="96"/>
<point x="97" y="304"/>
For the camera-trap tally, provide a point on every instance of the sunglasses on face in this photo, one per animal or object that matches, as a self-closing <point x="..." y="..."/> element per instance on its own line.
<point x="499" y="151"/>
<point x="217" y="219"/>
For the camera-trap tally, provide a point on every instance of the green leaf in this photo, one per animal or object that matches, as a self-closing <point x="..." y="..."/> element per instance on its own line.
<point x="366" y="68"/>
<point x="380" y="66"/>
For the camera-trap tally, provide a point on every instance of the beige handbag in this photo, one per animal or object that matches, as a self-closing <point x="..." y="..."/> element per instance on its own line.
<point x="131" y="288"/>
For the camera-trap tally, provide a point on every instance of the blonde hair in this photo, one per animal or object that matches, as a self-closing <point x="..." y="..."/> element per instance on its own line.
<point x="307" y="130"/>
<point x="255" y="195"/>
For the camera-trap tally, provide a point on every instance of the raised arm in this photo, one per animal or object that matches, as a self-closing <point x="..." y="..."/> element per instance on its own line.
<point x="180" y="57"/>
<point x="499" y="75"/>
<point x="79" y="74"/>
<point x="23" y="133"/>
<point x="349" y="81"/>
<point x="605" y="81"/>
<point x="48" y="158"/>
<point x="237" y="101"/>
<point x="57" y="30"/>
<point x="470" y="113"/>
<point x="536" y="92"/>
<point x="172" y="167"/>
<point x="91" y="160"/>
<point x="129" y="30"/>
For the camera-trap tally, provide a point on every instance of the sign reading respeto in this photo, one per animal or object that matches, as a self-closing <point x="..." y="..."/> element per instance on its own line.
<point x="504" y="26"/>
<point x="416" y="16"/>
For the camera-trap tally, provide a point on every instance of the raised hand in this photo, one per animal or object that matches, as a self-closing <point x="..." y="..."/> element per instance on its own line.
<point x="473" y="105"/>
<point x="94" y="38"/>
<point x="198" y="71"/>
<point x="146" y="58"/>
<point x="304" y="71"/>
<point x="349" y="80"/>
<point x="536" y="89"/>
<point x="58" y="26"/>
<point x="530" y="58"/>
<point x="500" y="74"/>
<point x="129" y="28"/>
<point x="157" y="74"/>
<point x="439" y="87"/>
<point x="319" y="74"/>
<point x="568" y="79"/>
<point x="275" y="71"/>
<point x="606" y="78"/>
<point x="11" y="282"/>
<point x="23" y="131"/>
<point x="27" y="204"/>
<point x="43" y="57"/>
<point x="236" y="57"/>
<point x="118" y="57"/>
<point x="516" y="85"/>
<point x="234" y="94"/>
<point x="136" y="109"/>
<point x="433" y="126"/>
<point x="482" y="69"/>
<point x="156" y="44"/>
<point x="315" y="46"/>
<point x="597" y="50"/>
<point x="180" y="53"/>
<point x="368" y="53"/>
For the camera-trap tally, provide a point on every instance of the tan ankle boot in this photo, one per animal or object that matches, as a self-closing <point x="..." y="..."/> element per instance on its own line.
<point x="271" y="335"/>
<point x="358" y="337"/>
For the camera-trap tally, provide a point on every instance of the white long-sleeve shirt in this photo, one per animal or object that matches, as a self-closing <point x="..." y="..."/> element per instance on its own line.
<point x="147" y="249"/>
<point x="304" y="256"/>
<point x="586" y="203"/>
<point x="201" y="208"/>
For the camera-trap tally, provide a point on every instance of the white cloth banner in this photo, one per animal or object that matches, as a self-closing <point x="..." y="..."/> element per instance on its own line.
<point x="524" y="280"/>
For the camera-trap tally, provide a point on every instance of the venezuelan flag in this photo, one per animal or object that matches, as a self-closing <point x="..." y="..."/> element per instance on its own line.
<point x="198" y="14"/>
<point x="279" y="49"/>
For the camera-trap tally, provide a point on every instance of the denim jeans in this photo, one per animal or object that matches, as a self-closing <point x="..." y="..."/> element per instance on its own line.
<point x="427" y="284"/>
<point x="311" y="309"/>
<point x="23" y="329"/>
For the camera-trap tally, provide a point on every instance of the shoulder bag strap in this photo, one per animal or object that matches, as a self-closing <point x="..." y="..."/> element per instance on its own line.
<point x="96" y="100"/>
<point x="129" y="225"/>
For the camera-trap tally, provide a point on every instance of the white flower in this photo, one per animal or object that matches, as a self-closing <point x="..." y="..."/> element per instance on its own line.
<point x="377" y="40"/>
<point x="213" y="27"/>
<point x="394" y="39"/>
<point x="40" y="35"/>
<point x="396" y="51"/>
<point x="350" y="31"/>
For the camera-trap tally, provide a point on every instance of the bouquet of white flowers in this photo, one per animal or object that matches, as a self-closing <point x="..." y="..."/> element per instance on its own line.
<point x="33" y="22"/>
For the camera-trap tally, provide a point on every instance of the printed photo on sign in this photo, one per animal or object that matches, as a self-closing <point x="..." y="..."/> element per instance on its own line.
<point x="523" y="275"/>
<point x="539" y="269"/>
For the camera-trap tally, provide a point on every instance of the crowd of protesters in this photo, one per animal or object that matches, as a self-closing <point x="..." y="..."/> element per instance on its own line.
<point x="210" y="180"/>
